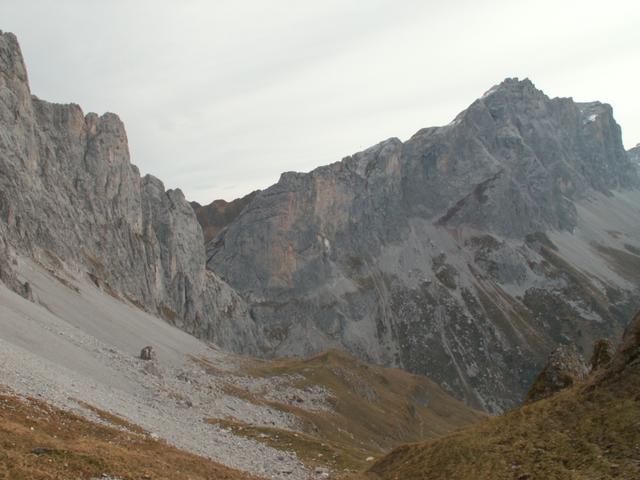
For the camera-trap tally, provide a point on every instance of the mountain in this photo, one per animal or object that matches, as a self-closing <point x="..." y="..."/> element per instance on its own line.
<point x="71" y="199"/>
<point x="588" y="431"/>
<point x="219" y="213"/>
<point x="465" y="253"/>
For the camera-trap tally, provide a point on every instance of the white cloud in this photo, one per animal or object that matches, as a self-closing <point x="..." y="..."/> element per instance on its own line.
<point x="219" y="97"/>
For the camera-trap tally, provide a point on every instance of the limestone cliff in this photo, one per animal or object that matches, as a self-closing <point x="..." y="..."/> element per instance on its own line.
<point x="71" y="199"/>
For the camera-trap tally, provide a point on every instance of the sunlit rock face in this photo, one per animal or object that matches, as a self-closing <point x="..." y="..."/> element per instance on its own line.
<point x="465" y="253"/>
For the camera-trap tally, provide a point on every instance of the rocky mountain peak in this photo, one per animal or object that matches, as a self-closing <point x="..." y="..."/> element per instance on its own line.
<point x="71" y="199"/>
<point x="407" y="247"/>
<point x="13" y="72"/>
<point x="512" y="88"/>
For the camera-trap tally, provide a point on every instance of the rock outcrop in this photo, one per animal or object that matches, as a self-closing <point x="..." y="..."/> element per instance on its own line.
<point x="629" y="350"/>
<point x="71" y="199"/>
<point x="602" y="355"/>
<point x="565" y="368"/>
<point x="465" y="253"/>
<point x="555" y="438"/>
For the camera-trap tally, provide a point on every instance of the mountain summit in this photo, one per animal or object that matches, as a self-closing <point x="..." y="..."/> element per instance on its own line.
<point x="465" y="253"/>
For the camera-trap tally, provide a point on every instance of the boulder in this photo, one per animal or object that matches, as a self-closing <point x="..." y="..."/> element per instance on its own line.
<point x="564" y="368"/>
<point x="147" y="353"/>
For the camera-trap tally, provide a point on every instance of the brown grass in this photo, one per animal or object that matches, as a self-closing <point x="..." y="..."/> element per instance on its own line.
<point x="112" y="418"/>
<point x="44" y="443"/>
<point x="375" y="408"/>
<point x="585" y="433"/>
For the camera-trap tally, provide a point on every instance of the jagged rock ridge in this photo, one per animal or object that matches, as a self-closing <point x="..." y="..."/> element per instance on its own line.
<point x="465" y="253"/>
<point x="71" y="199"/>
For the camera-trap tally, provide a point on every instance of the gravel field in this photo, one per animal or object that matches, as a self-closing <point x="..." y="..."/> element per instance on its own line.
<point x="70" y="346"/>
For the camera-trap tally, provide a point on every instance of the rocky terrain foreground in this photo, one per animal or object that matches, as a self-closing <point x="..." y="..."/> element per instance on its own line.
<point x="76" y="348"/>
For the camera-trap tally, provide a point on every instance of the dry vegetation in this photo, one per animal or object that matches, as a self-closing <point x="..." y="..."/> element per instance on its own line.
<point x="589" y="432"/>
<point x="38" y="442"/>
<point x="374" y="409"/>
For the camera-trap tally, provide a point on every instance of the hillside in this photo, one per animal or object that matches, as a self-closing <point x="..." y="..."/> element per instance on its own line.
<point x="586" y="432"/>
<point x="45" y="443"/>
<point x="77" y="348"/>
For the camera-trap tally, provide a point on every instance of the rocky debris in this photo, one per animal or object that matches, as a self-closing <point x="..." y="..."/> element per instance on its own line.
<point x="147" y="353"/>
<point x="602" y="354"/>
<point x="281" y="389"/>
<point x="167" y="407"/>
<point x="151" y="368"/>
<point x="565" y="368"/>
<point x="322" y="473"/>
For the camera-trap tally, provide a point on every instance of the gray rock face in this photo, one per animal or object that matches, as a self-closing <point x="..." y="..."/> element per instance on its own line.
<point x="70" y="198"/>
<point x="634" y="156"/>
<point x="465" y="253"/>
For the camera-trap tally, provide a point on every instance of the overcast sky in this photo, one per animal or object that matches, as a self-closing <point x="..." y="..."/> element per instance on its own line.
<point x="219" y="97"/>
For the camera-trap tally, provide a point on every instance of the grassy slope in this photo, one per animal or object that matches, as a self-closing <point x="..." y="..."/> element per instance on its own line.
<point x="375" y="409"/>
<point x="38" y="442"/>
<point x="589" y="432"/>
